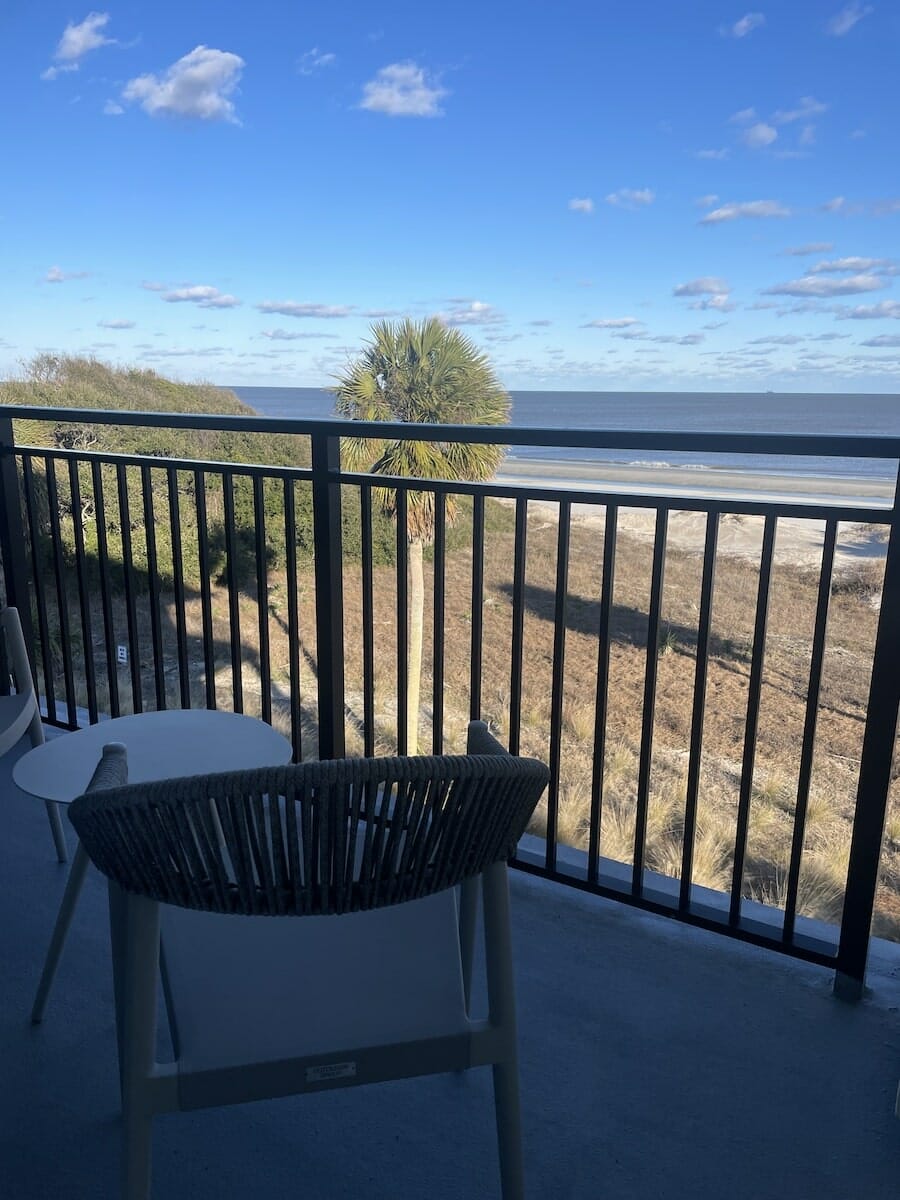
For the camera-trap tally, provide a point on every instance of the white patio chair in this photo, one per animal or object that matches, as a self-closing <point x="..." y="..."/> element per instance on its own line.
<point x="369" y="986"/>
<point x="19" y="712"/>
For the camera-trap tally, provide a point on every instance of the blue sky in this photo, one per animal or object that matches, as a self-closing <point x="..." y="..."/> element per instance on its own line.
<point x="651" y="195"/>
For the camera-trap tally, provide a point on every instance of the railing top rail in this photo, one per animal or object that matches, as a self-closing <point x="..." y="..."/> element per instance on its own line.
<point x="800" y="444"/>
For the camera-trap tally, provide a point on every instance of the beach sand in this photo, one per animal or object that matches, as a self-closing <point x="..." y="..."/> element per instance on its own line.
<point x="798" y="540"/>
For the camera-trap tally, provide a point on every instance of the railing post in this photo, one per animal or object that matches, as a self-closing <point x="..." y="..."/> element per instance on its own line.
<point x="329" y="559"/>
<point x="874" y="783"/>
<point x="12" y="536"/>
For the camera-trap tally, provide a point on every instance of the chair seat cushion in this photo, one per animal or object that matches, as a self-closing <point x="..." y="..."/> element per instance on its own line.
<point x="16" y="712"/>
<point x="247" y="990"/>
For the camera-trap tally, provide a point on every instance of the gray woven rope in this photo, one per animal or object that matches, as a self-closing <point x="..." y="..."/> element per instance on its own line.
<point x="322" y="837"/>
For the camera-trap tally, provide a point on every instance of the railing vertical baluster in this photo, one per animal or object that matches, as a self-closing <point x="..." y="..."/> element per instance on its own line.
<point x="559" y="662"/>
<point x="209" y="645"/>
<point x="293" y="649"/>
<point x="518" y="626"/>
<point x="262" y="598"/>
<point x="368" y="619"/>
<point x="874" y="783"/>
<point x="84" y="593"/>
<point x="698" y="714"/>
<point x="184" y="671"/>
<point x="754" y="690"/>
<point x="234" y="600"/>
<point x="649" y="708"/>
<point x="477" y="607"/>
<point x="402" y="621"/>
<point x="134" y="646"/>
<point x="12" y="536"/>
<point x="103" y="574"/>
<point x="62" y="601"/>
<point x="438" y="624"/>
<point x="329" y="565"/>
<point x="809" y="728"/>
<point x="159" y="662"/>
<point x="601" y="704"/>
<point x="40" y="599"/>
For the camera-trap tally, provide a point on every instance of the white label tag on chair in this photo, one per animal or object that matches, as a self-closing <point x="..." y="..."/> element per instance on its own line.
<point x="342" y="1070"/>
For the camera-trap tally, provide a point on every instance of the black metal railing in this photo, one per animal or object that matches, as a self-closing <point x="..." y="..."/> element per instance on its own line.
<point x="170" y="603"/>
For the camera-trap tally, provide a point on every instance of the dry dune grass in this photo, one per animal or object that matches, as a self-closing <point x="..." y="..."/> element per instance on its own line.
<point x="782" y="713"/>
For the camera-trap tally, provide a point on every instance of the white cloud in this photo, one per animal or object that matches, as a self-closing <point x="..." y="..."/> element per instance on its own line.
<point x="474" y="313"/>
<point x="202" y="295"/>
<point x="706" y="285"/>
<point x="403" y="90"/>
<point x="718" y="303"/>
<point x="784" y="339"/>
<point x="717" y="155"/>
<point x="884" y="208"/>
<point x="808" y="135"/>
<point x="707" y="201"/>
<point x="883" y="339"/>
<point x="197" y="85"/>
<point x="631" y="197"/>
<point x="807" y="108"/>
<point x="871" y="312"/>
<point x="743" y="116"/>
<point x="291" y="308"/>
<point x="746" y="208"/>
<point x="715" y="324"/>
<point x="810" y="248"/>
<point x="819" y="285"/>
<point x="747" y="23"/>
<point x="883" y="266"/>
<point x="287" y="335"/>
<point x="77" y="41"/>
<point x="314" y="60"/>
<point x="150" y="285"/>
<point x="835" y="205"/>
<point x="612" y="323"/>
<point x="58" y="275"/>
<point x="118" y="324"/>
<point x="111" y="109"/>
<point x="582" y="204"/>
<point x="842" y="22"/>
<point x="759" y="135"/>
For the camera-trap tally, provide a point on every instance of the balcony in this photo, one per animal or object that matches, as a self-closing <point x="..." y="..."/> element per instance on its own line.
<point x="677" y="1027"/>
<point x="656" y="1060"/>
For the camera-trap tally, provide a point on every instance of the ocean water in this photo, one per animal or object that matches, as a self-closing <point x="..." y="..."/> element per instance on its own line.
<point x="717" y="412"/>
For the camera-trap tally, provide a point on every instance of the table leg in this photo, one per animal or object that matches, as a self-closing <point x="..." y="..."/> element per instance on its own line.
<point x="56" y="828"/>
<point x="60" y="929"/>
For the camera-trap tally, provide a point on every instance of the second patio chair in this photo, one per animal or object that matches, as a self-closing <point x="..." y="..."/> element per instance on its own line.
<point x="19" y="712"/>
<point x="370" y="985"/>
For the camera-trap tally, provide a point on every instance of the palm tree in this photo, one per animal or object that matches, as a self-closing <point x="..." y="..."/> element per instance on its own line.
<point x="426" y="373"/>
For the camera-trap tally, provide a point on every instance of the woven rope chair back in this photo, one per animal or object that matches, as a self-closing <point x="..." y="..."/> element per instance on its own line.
<point x="323" y="837"/>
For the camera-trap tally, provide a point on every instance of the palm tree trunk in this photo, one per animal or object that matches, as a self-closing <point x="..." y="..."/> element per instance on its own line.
<point x="414" y="668"/>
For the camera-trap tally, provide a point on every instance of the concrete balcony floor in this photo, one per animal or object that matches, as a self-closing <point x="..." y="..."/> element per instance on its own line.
<point x="657" y="1061"/>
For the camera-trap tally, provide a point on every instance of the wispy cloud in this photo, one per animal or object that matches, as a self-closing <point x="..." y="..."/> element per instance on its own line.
<point x="631" y="198"/>
<point x="717" y="155"/>
<point x="612" y="323"/>
<point x="784" y="339"/>
<point x="842" y="22"/>
<point x="314" y="60"/>
<point x="292" y="308"/>
<point x="707" y="201"/>
<point x="202" y="295"/>
<point x="871" y="312"/>
<point x="58" y="275"/>
<point x="476" y="312"/>
<point x="759" y="135"/>
<point x="582" y="204"/>
<point x="809" y="248"/>
<point x="757" y="209"/>
<point x="881" y="266"/>
<point x="885" y="208"/>
<point x="706" y="285"/>
<point x="822" y="285"/>
<point x="288" y="335"/>
<point x="78" y="39"/>
<point x="152" y="285"/>
<point x="883" y="339"/>
<point x="807" y="109"/>
<point x="198" y="85"/>
<point x="403" y="90"/>
<point x="743" y="116"/>
<point x="747" y="23"/>
<point x="116" y="324"/>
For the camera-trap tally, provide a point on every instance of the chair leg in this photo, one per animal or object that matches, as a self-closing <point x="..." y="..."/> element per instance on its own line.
<point x="509" y="1130"/>
<point x="137" y="1146"/>
<point x="60" y="930"/>
<point x="56" y="828"/>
